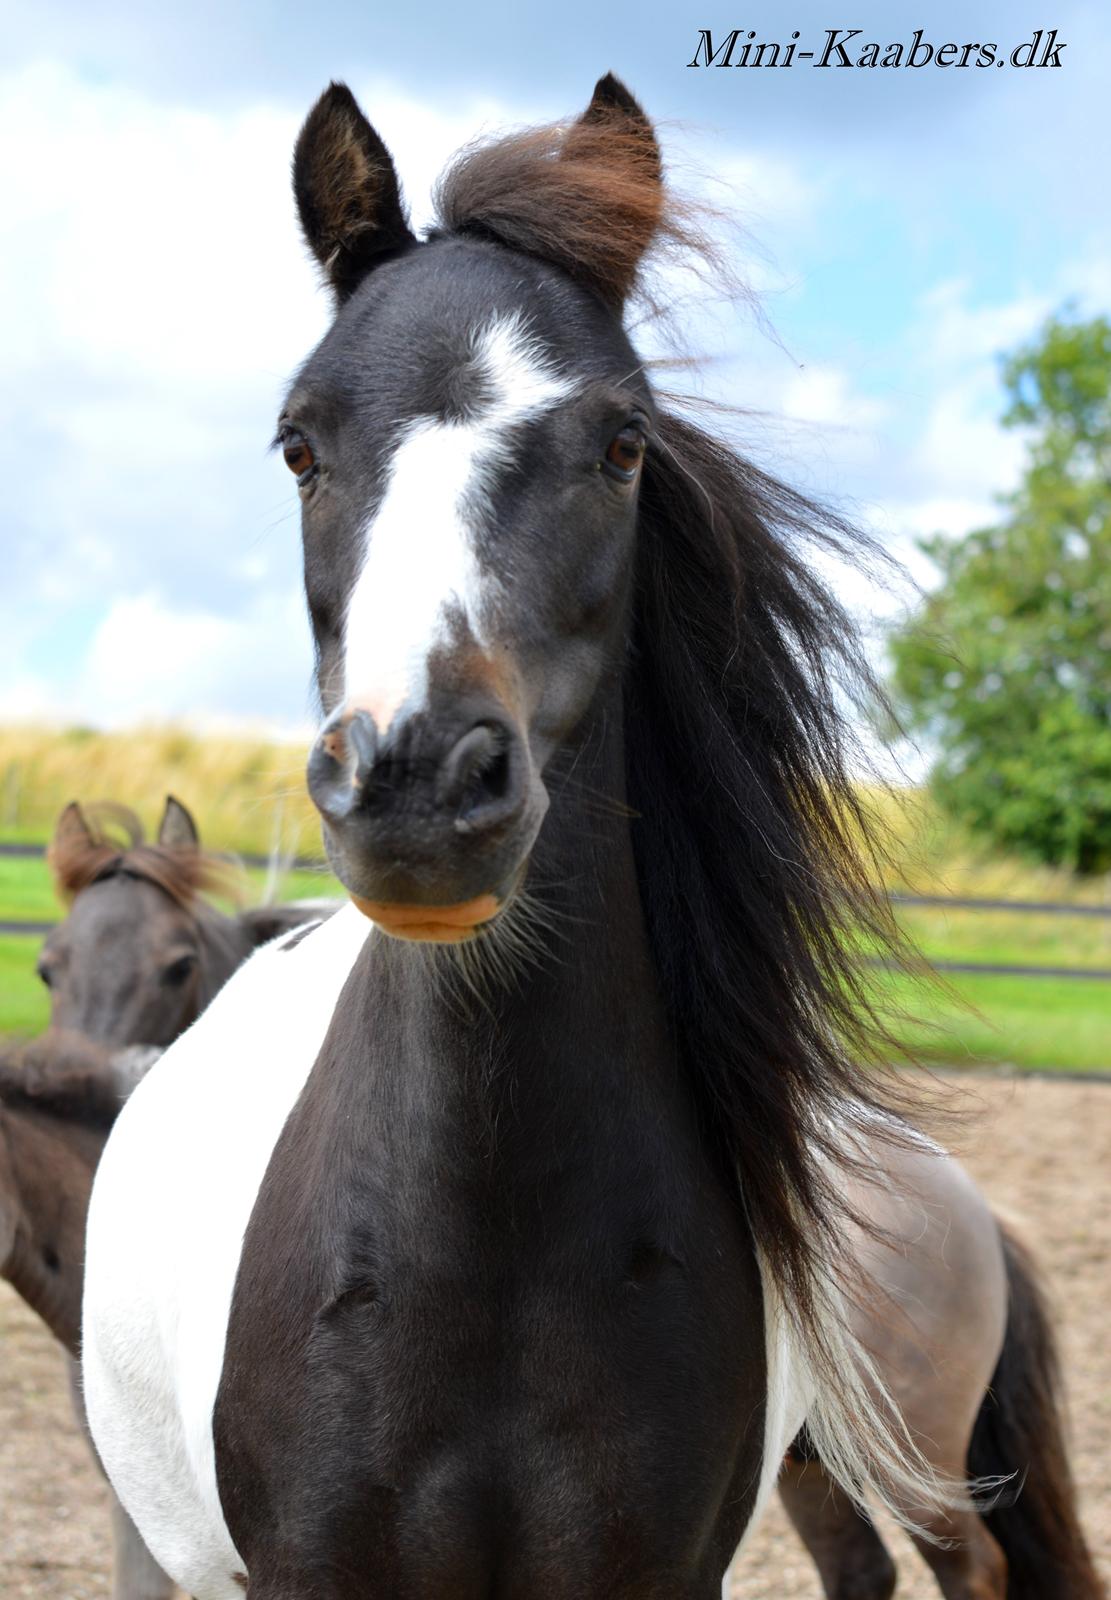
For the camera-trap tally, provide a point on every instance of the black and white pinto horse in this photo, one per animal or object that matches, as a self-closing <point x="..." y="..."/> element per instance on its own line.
<point x="499" y="1238"/>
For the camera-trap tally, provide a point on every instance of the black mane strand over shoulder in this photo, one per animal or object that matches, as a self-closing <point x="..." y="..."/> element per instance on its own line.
<point x="753" y="848"/>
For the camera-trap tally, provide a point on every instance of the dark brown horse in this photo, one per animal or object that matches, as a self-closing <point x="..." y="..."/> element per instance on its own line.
<point x="142" y="950"/>
<point x="58" y="1099"/>
<point x="139" y="955"/>
<point x="520" y="1261"/>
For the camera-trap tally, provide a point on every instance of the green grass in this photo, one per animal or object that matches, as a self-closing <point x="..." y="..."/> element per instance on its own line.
<point x="26" y="892"/>
<point x="23" y="1003"/>
<point x="1046" y="1024"/>
<point x="1011" y="938"/>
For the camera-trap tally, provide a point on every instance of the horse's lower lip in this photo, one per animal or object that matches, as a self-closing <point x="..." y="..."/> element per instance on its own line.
<point x="431" y="924"/>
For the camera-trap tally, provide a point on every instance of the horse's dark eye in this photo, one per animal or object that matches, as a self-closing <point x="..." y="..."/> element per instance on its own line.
<point x="626" y="452"/>
<point x="45" y="972"/>
<point x="298" y="456"/>
<point x="178" y="971"/>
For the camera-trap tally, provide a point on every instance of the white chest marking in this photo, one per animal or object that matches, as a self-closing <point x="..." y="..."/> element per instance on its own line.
<point x="173" y="1195"/>
<point x="420" y="568"/>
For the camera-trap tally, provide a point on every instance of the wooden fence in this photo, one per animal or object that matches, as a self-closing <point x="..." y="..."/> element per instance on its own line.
<point x="1058" y="908"/>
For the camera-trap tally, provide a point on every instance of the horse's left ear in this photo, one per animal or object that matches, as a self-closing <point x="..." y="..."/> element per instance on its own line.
<point x="588" y="195"/>
<point x="637" y="195"/>
<point x="613" y="105"/>
<point x="347" y="192"/>
<point x="177" y="830"/>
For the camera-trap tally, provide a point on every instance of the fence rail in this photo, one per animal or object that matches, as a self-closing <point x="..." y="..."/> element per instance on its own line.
<point x="294" y="864"/>
<point x="995" y="969"/>
<point x="1060" y="908"/>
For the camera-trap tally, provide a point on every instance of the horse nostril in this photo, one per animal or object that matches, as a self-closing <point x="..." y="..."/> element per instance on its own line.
<point x="342" y="762"/>
<point x="362" y="737"/>
<point x="465" y="763"/>
<point x="329" y="775"/>
<point x="479" y="777"/>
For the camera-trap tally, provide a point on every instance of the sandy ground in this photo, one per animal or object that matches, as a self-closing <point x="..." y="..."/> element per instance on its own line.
<point x="1041" y="1149"/>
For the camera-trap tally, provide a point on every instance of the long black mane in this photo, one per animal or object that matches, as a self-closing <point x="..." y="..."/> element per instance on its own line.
<point x="755" y="854"/>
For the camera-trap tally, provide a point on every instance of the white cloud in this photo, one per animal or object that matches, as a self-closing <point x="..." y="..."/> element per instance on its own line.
<point x="961" y="451"/>
<point x="826" y="395"/>
<point x="144" y="238"/>
<point x="26" y="698"/>
<point x="158" y="297"/>
<point x="150" y="662"/>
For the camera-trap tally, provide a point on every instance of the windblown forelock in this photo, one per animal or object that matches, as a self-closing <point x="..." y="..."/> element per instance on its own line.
<point x="79" y="858"/>
<point x="585" y="196"/>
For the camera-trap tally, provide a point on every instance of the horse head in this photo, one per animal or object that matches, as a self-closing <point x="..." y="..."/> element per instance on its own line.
<point x="141" y="951"/>
<point x="467" y="441"/>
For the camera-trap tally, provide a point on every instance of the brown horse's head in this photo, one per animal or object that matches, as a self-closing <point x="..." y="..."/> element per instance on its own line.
<point x="142" y="951"/>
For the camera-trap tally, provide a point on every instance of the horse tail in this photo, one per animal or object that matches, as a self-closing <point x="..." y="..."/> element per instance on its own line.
<point x="1020" y="1435"/>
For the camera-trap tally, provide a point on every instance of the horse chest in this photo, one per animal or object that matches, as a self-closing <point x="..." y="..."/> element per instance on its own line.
<point x="472" y="1366"/>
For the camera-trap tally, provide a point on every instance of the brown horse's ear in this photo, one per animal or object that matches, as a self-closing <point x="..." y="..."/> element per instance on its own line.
<point x="177" y="830"/>
<point x="263" y="923"/>
<point x="347" y="191"/>
<point x="73" y="840"/>
<point x="72" y="828"/>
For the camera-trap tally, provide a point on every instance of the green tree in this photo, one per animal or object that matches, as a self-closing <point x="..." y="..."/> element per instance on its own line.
<point x="1006" y="666"/>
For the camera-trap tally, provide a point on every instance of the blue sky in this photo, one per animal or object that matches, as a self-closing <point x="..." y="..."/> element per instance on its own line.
<point x="902" y="230"/>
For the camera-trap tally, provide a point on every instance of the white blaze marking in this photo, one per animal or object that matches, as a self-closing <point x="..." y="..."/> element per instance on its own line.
<point x="420" y="565"/>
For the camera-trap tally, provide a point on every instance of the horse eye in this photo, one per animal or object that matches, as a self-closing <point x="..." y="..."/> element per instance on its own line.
<point x="297" y="454"/>
<point x="178" y="971"/>
<point x="46" y="973"/>
<point x="626" y="452"/>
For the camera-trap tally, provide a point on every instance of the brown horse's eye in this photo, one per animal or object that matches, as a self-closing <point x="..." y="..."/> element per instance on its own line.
<point x="179" y="971"/>
<point x="626" y="452"/>
<point x="297" y="453"/>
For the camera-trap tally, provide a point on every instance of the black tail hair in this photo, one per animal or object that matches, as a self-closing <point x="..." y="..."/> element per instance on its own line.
<point x="1020" y="1430"/>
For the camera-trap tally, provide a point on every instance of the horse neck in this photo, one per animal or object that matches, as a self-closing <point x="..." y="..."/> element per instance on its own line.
<point x="224" y="946"/>
<point x="577" y="1022"/>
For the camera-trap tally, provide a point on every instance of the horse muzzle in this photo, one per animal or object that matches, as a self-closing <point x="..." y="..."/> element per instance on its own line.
<point x="427" y="825"/>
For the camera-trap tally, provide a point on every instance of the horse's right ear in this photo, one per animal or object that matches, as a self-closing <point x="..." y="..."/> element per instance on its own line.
<point x="347" y="191"/>
<point x="177" y="830"/>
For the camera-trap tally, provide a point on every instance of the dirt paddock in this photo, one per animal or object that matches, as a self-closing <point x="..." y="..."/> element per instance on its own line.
<point x="1041" y="1149"/>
